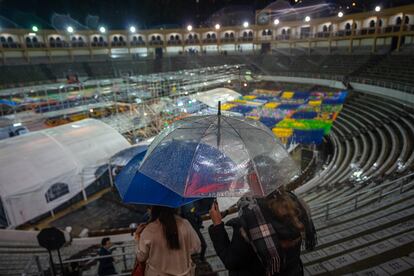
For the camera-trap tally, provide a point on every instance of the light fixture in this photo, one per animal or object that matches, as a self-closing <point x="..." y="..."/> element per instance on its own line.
<point x="189" y="28"/>
<point x="102" y="29"/>
<point x="340" y="14"/>
<point x="69" y="29"/>
<point x="307" y="18"/>
<point x="217" y="26"/>
<point x="245" y="24"/>
<point x="353" y="4"/>
<point x="276" y="22"/>
<point x="35" y="29"/>
<point x="245" y="84"/>
<point x="377" y="8"/>
<point x="132" y="29"/>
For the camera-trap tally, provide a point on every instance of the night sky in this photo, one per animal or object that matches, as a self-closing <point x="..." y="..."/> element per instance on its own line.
<point x="122" y="13"/>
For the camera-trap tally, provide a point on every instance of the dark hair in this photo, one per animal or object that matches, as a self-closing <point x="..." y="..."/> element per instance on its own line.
<point x="285" y="208"/>
<point x="104" y="241"/>
<point x="166" y="216"/>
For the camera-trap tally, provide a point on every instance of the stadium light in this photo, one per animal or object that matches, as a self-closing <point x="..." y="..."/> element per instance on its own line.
<point x="217" y="26"/>
<point x="132" y="29"/>
<point x="69" y="29"/>
<point x="189" y="28"/>
<point x="102" y="29"/>
<point x="276" y="22"/>
<point x="377" y="8"/>
<point x="245" y="24"/>
<point x="307" y="18"/>
<point x="35" y="29"/>
<point x="340" y="14"/>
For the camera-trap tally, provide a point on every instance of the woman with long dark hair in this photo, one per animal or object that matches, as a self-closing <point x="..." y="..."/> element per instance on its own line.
<point x="267" y="236"/>
<point x="166" y="244"/>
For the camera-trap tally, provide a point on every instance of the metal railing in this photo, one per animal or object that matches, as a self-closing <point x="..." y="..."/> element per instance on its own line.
<point x="383" y="83"/>
<point x="84" y="264"/>
<point x="354" y="200"/>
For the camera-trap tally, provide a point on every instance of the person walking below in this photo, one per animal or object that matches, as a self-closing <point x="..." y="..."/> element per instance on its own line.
<point x="166" y="244"/>
<point x="267" y="237"/>
<point x="106" y="266"/>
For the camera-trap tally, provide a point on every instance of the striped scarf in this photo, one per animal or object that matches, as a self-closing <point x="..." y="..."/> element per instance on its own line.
<point x="262" y="237"/>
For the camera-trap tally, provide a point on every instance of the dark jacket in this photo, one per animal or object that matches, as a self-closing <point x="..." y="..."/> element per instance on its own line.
<point x="237" y="255"/>
<point x="106" y="266"/>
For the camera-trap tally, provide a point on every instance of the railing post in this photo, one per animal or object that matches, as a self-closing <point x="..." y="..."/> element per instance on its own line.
<point x="356" y="202"/>
<point x="380" y="195"/>
<point x="327" y="211"/>
<point x="124" y="258"/>
<point x="39" y="266"/>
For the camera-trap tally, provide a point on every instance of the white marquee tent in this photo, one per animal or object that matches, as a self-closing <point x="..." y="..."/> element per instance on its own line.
<point x="212" y="97"/>
<point x="41" y="170"/>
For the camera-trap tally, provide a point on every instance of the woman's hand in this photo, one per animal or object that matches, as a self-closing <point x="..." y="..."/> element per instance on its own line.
<point x="139" y="230"/>
<point x="215" y="214"/>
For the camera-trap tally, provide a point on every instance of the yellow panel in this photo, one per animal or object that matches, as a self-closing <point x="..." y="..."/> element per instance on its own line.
<point x="282" y="132"/>
<point x="271" y="105"/>
<point x="287" y="95"/>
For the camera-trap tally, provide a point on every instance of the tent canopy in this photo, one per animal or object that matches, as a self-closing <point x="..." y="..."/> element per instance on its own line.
<point x="66" y="155"/>
<point x="212" y="97"/>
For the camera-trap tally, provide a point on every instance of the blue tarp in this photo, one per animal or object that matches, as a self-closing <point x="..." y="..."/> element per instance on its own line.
<point x="269" y="121"/>
<point x="305" y="115"/>
<point x="308" y="136"/>
<point x="7" y="102"/>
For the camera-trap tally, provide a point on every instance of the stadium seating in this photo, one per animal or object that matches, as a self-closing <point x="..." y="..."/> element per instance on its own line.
<point x="362" y="207"/>
<point x="394" y="68"/>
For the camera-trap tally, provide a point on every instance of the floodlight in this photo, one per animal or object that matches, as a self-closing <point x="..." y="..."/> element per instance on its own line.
<point x="246" y="24"/>
<point x="102" y="29"/>
<point x="189" y="28"/>
<point x="307" y="18"/>
<point x="35" y="29"/>
<point x="217" y="26"/>
<point x="340" y="14"/>
<point x="377" y="8"/>
<point x="276" y="22"/>
<point x="69" y="29"/>
<point x="132" y="29"/>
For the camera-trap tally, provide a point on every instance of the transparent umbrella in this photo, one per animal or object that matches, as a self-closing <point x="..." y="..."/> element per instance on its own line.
<point x="218" y="156"/>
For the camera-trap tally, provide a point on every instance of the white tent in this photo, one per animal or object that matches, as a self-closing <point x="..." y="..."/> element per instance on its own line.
<point x="41" y="170"/>
<point x="212" y="97"/>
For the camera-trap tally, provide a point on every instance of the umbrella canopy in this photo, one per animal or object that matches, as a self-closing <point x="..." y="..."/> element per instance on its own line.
<point x="218" y="156"/>
<point x="137" y="188"/>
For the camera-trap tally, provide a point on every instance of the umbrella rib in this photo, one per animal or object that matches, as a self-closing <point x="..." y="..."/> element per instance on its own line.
<point x="248" y="153"/>
<point x="195" y="151"/>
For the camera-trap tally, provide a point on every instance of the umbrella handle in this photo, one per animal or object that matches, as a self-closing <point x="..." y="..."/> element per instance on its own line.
<point x="218" y="123"/>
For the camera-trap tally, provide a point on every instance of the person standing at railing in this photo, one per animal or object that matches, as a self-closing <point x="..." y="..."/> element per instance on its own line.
<point x="166" y="244"/>
<point x="106" y="265"/>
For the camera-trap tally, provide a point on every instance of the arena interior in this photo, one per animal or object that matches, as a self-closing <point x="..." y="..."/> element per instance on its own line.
<point x="337" y="89"/>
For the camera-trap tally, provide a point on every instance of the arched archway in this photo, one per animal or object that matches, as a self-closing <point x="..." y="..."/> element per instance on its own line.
<point x="325" y="28"/>
<point x="372" y="24"/>
<point x="347" y="26"/>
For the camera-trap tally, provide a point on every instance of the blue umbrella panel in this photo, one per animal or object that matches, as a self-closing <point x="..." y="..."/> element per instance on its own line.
<point x="134" y="187"/>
